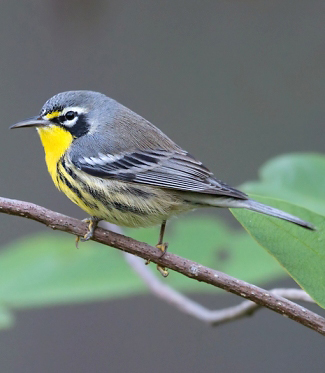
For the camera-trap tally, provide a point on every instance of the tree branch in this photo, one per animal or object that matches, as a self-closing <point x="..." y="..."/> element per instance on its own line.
<point x="187" y="267"/>
<point x="194" y="309"/>
<point x="190" y="307"/>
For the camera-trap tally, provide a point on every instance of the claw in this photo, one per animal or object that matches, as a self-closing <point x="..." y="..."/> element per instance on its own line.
<point x="93" y="222"/>
<point x="163" y="247"/>
<point x="163" y="271"/>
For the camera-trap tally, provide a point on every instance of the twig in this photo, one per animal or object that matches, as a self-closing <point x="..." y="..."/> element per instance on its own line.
<point x="187" y="267"/>
<point x="194" y="309"/>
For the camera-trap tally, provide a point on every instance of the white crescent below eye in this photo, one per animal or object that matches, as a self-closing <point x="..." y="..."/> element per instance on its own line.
<point x="70" y="123"/>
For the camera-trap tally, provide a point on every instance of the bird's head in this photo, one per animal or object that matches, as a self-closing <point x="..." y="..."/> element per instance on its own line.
<point x="66" y="117"/>
<point x="71" y="112"/>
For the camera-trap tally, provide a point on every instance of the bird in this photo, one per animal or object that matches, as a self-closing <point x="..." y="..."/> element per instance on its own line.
<point x="118" y="167"/>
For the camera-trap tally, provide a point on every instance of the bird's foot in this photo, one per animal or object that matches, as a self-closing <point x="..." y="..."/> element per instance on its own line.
<point x="92" y="225"/>
<point x="163" y="247"/>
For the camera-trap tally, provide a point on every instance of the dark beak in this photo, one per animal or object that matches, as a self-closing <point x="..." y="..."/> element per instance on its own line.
<point x="32" y="122"/>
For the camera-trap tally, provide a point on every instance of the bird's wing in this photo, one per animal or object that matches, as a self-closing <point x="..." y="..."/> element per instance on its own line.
<point x="174" y="169"/>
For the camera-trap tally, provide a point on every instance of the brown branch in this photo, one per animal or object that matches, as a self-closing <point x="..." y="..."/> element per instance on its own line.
<point x="186" y="305"/>
<point x="194" y="309"/>
<point x="187" y="267"/>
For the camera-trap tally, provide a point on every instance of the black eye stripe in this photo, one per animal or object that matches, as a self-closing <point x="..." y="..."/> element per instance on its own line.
<point x="81" y="127"/>
<point x="77" y="128"/>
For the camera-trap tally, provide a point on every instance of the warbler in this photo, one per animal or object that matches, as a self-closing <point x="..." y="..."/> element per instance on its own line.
<point x="120" y="168"/>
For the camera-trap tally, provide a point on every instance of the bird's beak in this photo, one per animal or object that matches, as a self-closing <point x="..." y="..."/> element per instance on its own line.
<point x="32" y="122"/>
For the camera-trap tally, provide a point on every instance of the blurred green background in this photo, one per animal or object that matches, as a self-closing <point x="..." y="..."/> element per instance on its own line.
<point x="233" y="82"/>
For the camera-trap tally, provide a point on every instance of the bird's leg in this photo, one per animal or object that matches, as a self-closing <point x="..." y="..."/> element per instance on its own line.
<point x="163" y="247"/>
<point x="93" y="222"/>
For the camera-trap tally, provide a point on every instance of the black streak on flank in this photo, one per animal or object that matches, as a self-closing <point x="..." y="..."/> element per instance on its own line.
<point x="109" y="204"/>
<point x="137" y="192"/>
<point x="97" y="194"/>
<point x="127" y="208"/>
<point x="74" y="176"/>
<point x="73" y="189"/>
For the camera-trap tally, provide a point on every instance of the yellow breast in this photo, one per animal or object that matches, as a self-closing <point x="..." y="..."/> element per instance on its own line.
<point x="56" y="141"/>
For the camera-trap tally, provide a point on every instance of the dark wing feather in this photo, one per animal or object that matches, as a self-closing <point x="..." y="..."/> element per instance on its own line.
<point x="173" y="170"/>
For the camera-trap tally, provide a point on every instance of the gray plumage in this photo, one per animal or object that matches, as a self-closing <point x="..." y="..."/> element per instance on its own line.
<point x="120" y="145"/>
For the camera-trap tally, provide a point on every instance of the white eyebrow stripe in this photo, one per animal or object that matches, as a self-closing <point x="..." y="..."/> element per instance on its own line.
<point x="78" y="109"/>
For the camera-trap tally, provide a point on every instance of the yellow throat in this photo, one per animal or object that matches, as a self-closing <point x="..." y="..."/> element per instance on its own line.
<point x="56" y="140"/>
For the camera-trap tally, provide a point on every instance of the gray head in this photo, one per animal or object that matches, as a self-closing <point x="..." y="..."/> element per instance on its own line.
<point x="63" y="100"/>
<point x="93" y="118"/>
<point x="74" y="111"/>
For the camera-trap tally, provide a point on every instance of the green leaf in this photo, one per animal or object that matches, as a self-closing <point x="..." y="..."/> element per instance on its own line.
<point x="47" y="269"/>
<point x="296" y="178"/>
<point x="300" y="251"/>
<point x="212" y="243"/>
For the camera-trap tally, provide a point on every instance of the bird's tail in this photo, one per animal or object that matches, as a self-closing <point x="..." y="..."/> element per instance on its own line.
<point x="252" y="205"/>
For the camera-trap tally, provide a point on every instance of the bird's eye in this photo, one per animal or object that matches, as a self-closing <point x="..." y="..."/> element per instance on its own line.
<point x="70" y="115"/>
